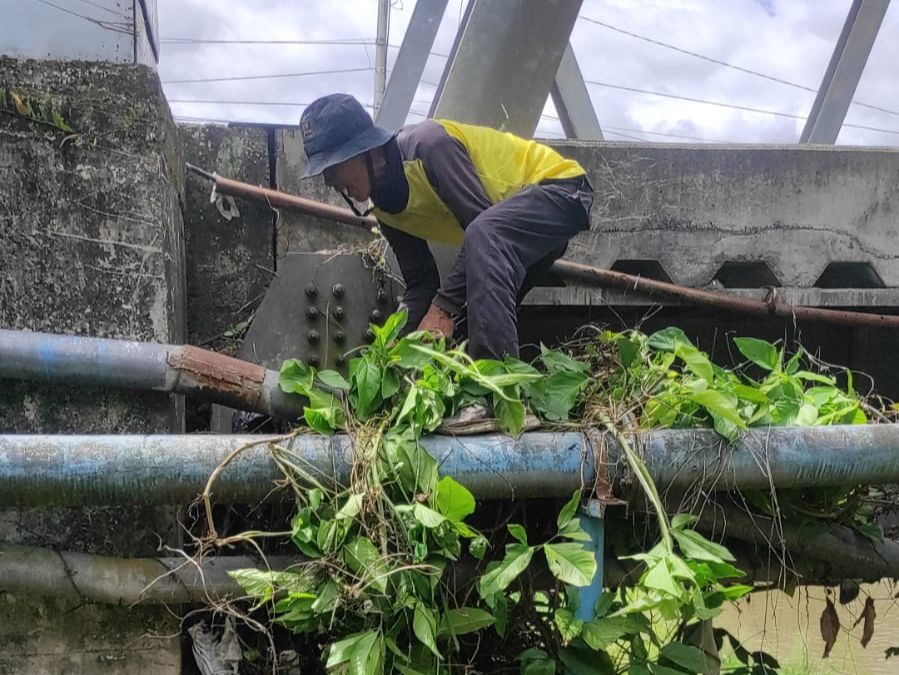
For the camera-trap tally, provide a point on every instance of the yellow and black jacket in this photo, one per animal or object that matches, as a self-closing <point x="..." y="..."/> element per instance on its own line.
<point x="441" y="175"/>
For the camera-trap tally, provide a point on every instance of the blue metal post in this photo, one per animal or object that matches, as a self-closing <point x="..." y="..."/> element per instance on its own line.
<point x="592" y="521"/>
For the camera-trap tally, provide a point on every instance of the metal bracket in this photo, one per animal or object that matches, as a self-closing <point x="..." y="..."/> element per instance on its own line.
<point x="603" y="494"/>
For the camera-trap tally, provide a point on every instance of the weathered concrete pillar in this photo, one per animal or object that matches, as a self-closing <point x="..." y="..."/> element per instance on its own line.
<point x="91" y="243"/>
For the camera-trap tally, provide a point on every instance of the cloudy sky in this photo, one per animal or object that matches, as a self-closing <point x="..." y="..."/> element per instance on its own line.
<point x="790" y="40"/>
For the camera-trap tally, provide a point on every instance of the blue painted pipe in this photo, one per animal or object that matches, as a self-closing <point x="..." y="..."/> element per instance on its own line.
<point x="180" y="369"/>
<point x="169" y="469"/>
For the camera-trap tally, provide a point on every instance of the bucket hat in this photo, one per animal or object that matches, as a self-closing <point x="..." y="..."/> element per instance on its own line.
<point x="334" y="129"/>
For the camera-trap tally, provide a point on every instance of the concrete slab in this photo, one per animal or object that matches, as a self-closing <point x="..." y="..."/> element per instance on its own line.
<point x="695" y="208"/>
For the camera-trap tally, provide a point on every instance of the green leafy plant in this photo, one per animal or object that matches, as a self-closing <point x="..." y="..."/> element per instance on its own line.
<point x="374" y="582"/>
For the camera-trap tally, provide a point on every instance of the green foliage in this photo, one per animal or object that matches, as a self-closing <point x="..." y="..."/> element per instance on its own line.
<point x="372" y="584"/>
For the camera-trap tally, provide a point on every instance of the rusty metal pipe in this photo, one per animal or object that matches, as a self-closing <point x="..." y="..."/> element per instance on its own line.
<point x="277" y="199"/>
<point x="180" y="369"/>
<point x="585" y="274"/>
<point x="594" y="276"/>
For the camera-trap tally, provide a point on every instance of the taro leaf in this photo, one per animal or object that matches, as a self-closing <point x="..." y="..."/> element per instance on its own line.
<point x="427" y="517"/>
<point x="718" y="405"/>
<point x="554" y="396"/>
<point x="390" y="384"/>
<point x="355" y="649"/>
<point x="574" y="531"/>
<point x="815" y="377"/>
<point x="578" y="659"/>
<point x="668" y="339"/>
<point x="697" y="362"/>
<point x="296" y="377"/>
<point x="569" y="627"/>
<point x="406" y="356"/>
<point x="807" y="415"/>
<point x="684" y="656"/>
<point x="571" y="563"/>
<point x="830" y="627"/>
<point x="682" y="520"/>
<point x="518" y="532"/>
<point x="414" y="466"/>
<point x="424" y="625"/>
<point x="387" y="333"/>
<point x="535" y="661"/>
<point x="658" y="577"/>
<point x="556" y="361"/>
<point x="366" y="381"/>
<point x="694" y="545"/>
<point x="544" y="666"/>
<point x="478" y="547"/>
<point x="569" y="510"/>
<point x="453" y="499"/>
<point x="465" y="620"/>
<point x="510" y="415"/>
<point x="351" y="507"/>
<point x="628" y="351"/>
<point x="333" y="379"/>
<point x="601" y="633"/>
<point x="324" y="420"/>
<point x="760" y="352"/>
<point x="361" y="556"/>
<point x="500" y="574"/>
<point x="868" y="615"/>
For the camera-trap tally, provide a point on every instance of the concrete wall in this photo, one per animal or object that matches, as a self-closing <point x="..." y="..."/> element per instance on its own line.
<point x="91" y="243"/>
<point x="695" y="208"/>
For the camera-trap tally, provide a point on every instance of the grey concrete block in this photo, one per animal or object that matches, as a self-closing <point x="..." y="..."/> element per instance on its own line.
<point x="92" y="244"/>
<point x="695" y="208"/>
<point x="91" y="228"/>
<point x="230" y="262"/>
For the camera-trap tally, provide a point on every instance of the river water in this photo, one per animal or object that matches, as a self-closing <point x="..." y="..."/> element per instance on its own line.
<point x="789" y="629"/>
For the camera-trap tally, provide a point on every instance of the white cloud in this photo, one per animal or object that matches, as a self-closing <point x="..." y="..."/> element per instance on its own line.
<point x="787" y="39"/>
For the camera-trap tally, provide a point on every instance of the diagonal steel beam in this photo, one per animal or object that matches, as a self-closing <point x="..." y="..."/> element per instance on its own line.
<point x="410" y="63"/>
<point x="844" y="71"/>
<point x="572" y="101"/>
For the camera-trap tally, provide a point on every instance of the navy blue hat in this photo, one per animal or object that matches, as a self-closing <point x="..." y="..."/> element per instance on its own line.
<point x="334" y="129"/>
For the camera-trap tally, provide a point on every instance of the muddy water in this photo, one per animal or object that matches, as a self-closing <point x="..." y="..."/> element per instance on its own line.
<point x="788" y="628"/>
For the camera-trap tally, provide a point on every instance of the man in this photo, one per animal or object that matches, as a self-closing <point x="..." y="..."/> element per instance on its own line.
<point x="511" y="203"/>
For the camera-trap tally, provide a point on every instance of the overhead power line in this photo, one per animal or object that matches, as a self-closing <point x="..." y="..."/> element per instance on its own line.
<point x="204" y="41"/>
<point x="725" y="64"/>
<point x="733" y="106"/>
<point x="268" y="77"/>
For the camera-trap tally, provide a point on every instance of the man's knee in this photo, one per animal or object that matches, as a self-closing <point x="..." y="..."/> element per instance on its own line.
<point x="481" y="235"/>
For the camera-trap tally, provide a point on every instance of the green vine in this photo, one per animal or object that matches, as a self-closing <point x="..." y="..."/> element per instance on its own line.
<point x="375" y="583"/>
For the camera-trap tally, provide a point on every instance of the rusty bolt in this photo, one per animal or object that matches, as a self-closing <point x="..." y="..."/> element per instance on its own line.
<point x="338" y="312"/>
<point x="339" y="337"/>
<point x="312" y="336"/>
<point x="312" y="312"/>
<point x="311" y="290"/>
<point x="338" y="290"/>
<point x="369" y="335"/>
<point x="339" y="360"/>
<point x="377" y="315"/>
<point x="314" y="361"/>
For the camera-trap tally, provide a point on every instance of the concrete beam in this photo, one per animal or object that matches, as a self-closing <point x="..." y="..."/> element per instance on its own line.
<point x="504" y="62"/>
<point x="695" y="208"/>
<point x="844" y="71"/>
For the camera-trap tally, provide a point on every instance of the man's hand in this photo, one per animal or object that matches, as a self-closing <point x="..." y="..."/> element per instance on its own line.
<point x="437" y="322"/>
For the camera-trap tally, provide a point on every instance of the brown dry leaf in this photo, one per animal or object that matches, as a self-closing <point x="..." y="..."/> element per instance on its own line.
<point x="830" y="627"/>
<point x="21" y="104"/>
<point x="868" y="614"/>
